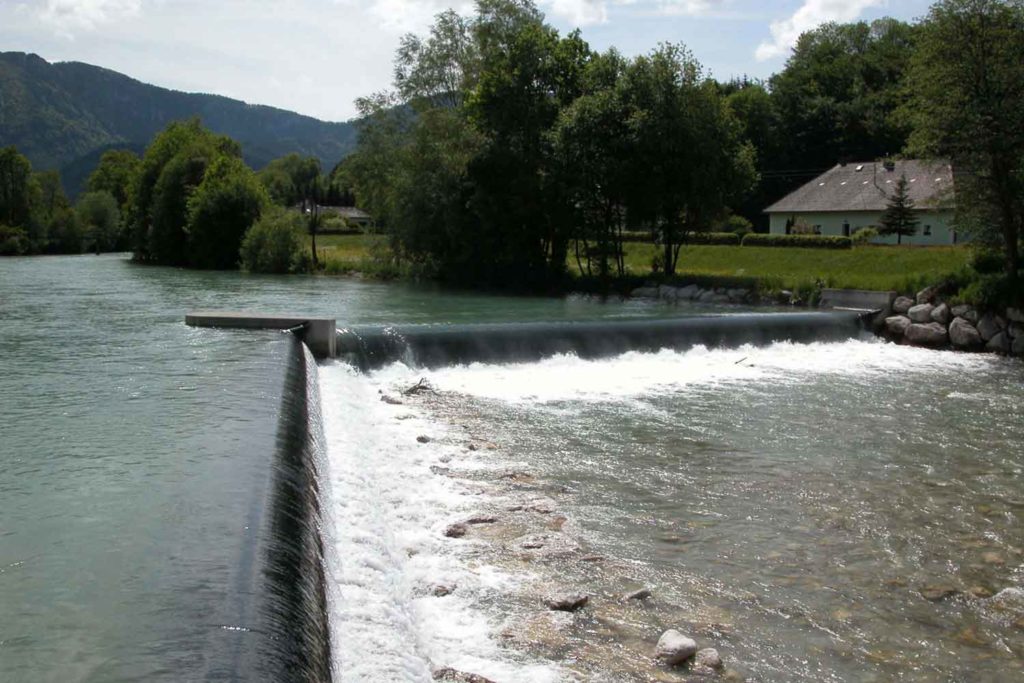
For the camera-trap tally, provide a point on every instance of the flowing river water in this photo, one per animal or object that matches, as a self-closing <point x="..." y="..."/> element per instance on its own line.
<point x="832" y="511"/>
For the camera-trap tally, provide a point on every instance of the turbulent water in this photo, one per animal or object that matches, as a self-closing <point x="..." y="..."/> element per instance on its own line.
<point x="786" y="505"/>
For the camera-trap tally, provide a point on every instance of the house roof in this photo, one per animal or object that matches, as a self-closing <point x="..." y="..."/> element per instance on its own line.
<point x="867" y="187"/>
<point x="348" y="212"/>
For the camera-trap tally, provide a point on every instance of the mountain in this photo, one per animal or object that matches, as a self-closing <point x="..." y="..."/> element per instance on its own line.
<point x="64" y="115"/>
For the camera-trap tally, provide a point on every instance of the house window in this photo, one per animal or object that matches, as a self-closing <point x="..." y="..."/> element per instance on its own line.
<point x="927" y="230"/>
<point x="817" y="229"/>
<point x="846" y="228"/>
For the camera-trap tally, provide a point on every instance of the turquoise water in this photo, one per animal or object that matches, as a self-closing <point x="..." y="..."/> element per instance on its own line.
<point x="135" y="452"/>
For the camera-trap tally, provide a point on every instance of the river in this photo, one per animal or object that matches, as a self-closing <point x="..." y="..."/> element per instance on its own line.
<point x="786" y="505"/>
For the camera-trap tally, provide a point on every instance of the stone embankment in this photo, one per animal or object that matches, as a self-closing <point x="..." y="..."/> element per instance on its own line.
<point x="928" y="321"/>
<point x="717" y="295"/>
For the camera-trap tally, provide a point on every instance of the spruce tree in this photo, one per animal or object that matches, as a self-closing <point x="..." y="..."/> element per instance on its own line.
<point x="899" y="218"/>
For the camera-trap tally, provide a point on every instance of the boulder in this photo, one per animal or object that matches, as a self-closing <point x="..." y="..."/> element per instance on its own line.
<point x="738" y="295"/>
<point x="897" y="325"/>
<point x="423" y="439"/>
<point x="972" y="316"/>
<point x="674" y="648"/>
<point x="566" y="602"/>
<point x="456" y="531"/>
<point x="960" y="311"/>
<point x="688" y="292"/>
<point x="999" y="343"/>
<point x="645" y="292"/>
<point x="1016" y="330"/>
<point x="932" y="334"/>
<point x="922" y="313"/>
<point x="706" y="296"/>
<point x="1017" y="348"/>
<point x="941" y="314"/>
<point x="964" y="335"/>
<point x="927" y="295"/>
<point x="902" y="304"/>
<point x="989" y="326"/>
<point x="708" y="657"/>
<point x="668" y="293"/>
<point x="1015" y="315"/>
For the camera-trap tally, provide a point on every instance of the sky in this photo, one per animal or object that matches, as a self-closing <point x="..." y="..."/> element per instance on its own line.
<point x="317" y="56"/>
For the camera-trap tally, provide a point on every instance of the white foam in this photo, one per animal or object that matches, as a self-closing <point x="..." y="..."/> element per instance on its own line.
<point x="634" y="374"/>
<point x="385" y="513"/>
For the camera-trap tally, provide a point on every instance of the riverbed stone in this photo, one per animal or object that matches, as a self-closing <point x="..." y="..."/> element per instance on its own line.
<point x="566" y="602"/>
<point x="999" y="343"/>
<point x="897" y="325"/>
<point x="989" y="326"/>
<point x="941" y="314"/>
<point x="674" y="648"/>
<point x="964" y="335"/>
<point x="641" y="594"/>
<point x="938" y="592"/>
<point x="455" y="676"/>
<point x="922" y="313"/>
<point x="708" y="657"/>
<point x="902" y="304"/>
<point x="1009" y="600"/>
<point x="927" y="295"/>
<point x="456" y="530"/>
<point x="931" y="334"/>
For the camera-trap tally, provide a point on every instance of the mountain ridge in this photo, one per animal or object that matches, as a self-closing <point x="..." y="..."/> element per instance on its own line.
<point x="58" y="114"/>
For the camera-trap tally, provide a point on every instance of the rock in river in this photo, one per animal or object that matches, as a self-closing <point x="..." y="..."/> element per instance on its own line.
<point x="932" y="334"/>
<point x="922" y="313"/>
<point x="566" y="602"/>
<point x="963" y="334"/>
<point x="897" y="325"/>
<point x="674" y="648"/>
<point x="708" y="657"/>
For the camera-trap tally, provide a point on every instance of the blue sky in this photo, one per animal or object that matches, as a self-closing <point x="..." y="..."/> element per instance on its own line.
<point x="317" y="56"/>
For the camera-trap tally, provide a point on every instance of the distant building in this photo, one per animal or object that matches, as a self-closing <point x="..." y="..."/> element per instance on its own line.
<point x="355" y="218"/>
<point x="852" y="196"/>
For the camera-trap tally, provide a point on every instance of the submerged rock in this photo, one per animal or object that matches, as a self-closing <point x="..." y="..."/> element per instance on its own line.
<point x="963" y="334"/>
<point x="902" y="304"/>
<point x="674" y="648"/>
<point x="922" y="313"/>
<point x="455" y="676"/>
<point x="708" y="657"/>
<point x="566" y="602"/>
<point x="423" y="439"/>
<point x="897" y="325"/>
<point x="931" y="334"/>
<point x="938" y="592"/>
<point x="641" y="594"/>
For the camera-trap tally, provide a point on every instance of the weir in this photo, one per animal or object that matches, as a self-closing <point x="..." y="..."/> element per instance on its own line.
<point x="437" y="345"/>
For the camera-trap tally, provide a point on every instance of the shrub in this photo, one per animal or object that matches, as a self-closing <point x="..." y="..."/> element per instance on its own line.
<point x="805" y="241"/>
<point x="737" y="225"/>
<point x="275" y="244"/>
<point x="988" y="261"/>
<point x="863" y="236"/>
<point x="802" y="228"/>
<point x="715" y="238"/>
<point x="991" y="292"/>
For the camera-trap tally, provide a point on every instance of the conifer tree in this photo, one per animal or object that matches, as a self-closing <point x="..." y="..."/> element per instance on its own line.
<point x="899" y="218"/>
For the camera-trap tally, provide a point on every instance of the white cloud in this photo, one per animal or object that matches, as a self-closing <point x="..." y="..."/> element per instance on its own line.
<point x="69" y="15"/>
<point x="586" y="12"/>
<point x="811" y="14"/>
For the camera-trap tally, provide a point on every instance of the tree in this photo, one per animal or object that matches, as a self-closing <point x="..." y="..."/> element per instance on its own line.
<point x="116" y="173"/>
<point x="968" y="106"/>
<point x="899" y="218"/>
<point x="275" y="243"/>
<point x="15" y="188"/>
<point x="224" y="205"/>
<point x="100" y="218"/>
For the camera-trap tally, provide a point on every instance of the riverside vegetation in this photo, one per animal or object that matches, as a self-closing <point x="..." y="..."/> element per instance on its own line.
<point x="508" y="155"/>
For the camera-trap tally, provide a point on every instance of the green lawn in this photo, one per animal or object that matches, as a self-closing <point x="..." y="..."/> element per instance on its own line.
<point x="899" y="268"/>
<point x="874" y="267"/>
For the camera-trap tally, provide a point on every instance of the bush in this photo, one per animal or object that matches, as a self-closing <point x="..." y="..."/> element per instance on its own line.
<point x="863" y="236"/>
<point x="730" y="239"/>
<point x="737" y="225"/>
<point x="13" y="241"/>
<point x="988" y="261"/>
<point x="992" y="292"/>
<point x="276" y="243"/>
<point x="805" y="241"/>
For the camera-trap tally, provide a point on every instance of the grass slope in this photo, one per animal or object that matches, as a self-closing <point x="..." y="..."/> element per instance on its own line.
<point x="876" y="267"/>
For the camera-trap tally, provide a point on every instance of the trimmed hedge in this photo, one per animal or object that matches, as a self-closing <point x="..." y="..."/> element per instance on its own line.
<point x="805" y="241"/>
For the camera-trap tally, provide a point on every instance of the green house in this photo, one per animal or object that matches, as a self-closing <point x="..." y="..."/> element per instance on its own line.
<point x="852" y="196"/>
